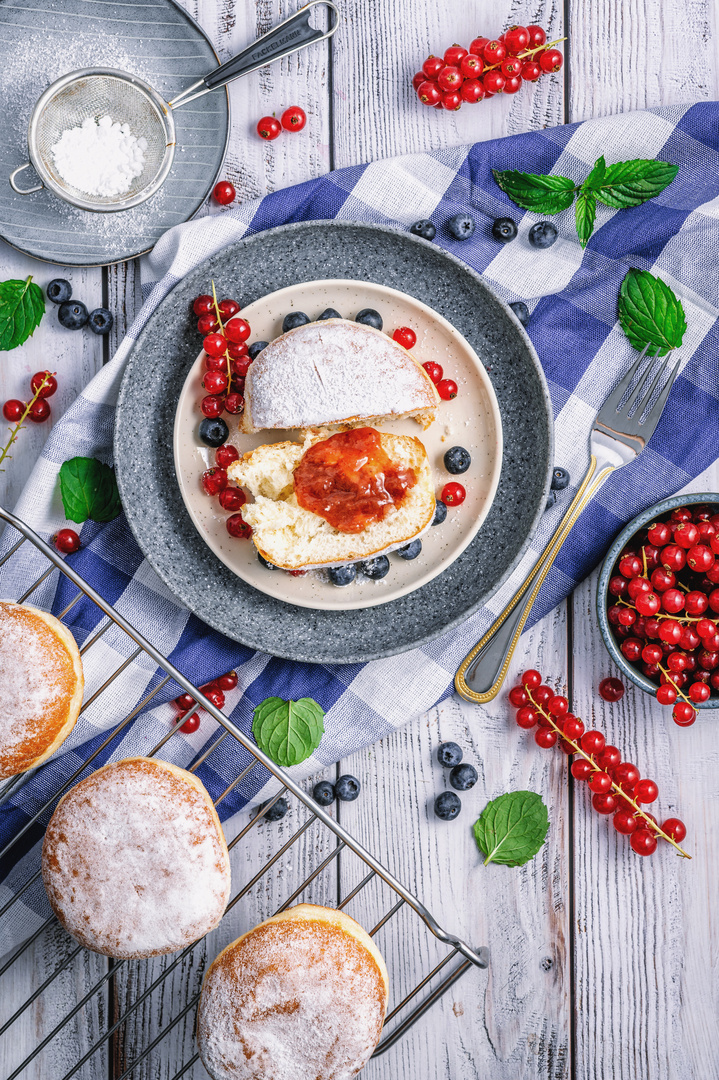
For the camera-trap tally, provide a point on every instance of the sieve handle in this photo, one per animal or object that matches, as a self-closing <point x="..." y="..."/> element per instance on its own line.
<point x="289" y="37"/>
<point x="19" y="190"/>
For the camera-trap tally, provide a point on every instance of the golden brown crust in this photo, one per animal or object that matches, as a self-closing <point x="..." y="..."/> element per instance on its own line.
<point x="134" y="860"/>
<point x="43" y="686"/>
<point x="301" y="996"/>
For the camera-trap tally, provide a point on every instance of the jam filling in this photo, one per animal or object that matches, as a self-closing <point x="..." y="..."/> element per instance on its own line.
<point x="350" y="481"/>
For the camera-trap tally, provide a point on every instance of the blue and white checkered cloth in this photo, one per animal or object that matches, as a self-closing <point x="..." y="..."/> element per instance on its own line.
<point x="572" y="296"/>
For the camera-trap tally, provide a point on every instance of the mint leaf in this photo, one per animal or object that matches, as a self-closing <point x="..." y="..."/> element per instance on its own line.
<point x="512" y="828"/>
<point x="545" y="194"/>
<point x="596" y="177"/>
<point x="288" y="731"/>
<point x="585" y="212"/>
<point x="650" y="313"/>
<point x="22" y="305"/>
<point x="89" y="490"/>
<point x="630" y="183"/>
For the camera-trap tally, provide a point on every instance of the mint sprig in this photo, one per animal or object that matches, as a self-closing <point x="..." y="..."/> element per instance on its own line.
<point x="650" y="313"/>
<point x="89" y="490"/>
<point x="512" y="828"/>
<point x="288" y="731"/>
<point x="22" y="305"/>
<point x="625" y="184"/>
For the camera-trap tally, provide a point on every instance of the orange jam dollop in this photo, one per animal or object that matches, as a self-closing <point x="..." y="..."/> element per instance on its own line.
<point x="350" y="481"/>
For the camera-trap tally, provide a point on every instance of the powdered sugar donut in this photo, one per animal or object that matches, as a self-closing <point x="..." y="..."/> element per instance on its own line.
<point x="41" y="686"/>
<point x="134" y="860"/>
<point x="301" y="996"/>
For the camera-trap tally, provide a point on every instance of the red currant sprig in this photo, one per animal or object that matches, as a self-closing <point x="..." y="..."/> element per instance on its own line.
<point x="43" y="385"/>
<point x="616" y="786"/>
<point x="214" y="691"/>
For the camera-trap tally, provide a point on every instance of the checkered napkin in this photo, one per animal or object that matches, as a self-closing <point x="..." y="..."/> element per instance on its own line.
<point x="572" y="296"/>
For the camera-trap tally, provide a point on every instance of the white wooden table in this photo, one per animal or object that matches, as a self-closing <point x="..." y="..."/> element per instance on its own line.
<point x="603" y="965"/>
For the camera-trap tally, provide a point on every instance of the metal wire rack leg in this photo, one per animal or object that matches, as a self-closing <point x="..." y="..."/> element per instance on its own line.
<point x="469" y="957"/>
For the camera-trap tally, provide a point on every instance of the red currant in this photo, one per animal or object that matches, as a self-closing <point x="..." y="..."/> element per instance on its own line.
<point x="543" y="695"/>
<point x="471" y="66"/>
<point x="531" y="679"/>
<point x="573" y="728"/>
<point x="453" y="494"/>
<point x="405" y="337"/>
<point x="39" y="411"/>
<point x="234" y="403"/>
<point x="434" y="371"/>
<point x="477" y="46"/>
<point x="600" y="783"/>
<point x="648" y="603"/>
<point x="684" y="714"/>
<point x="238" y="527"/>
<point x="212" y="406"/>
<point x="627" y="616"/>
<point x="450" y="78"/>
<point x="632" y="649"/>
<point x="493" y="82"/>
<point x="537" y="36"/>
<point x="706" y="629"/>
<point x="686" y="534"/>
<point x="241" y="366"/>
<point x="673" y="601"/>
<point x="581" y="769"/>
<point x="551" y="60"/>
<point x="429" y="93"/>
<point x="700" y="558"/>
<point x="609" y="757"/>
<point x="512" y="84"/>
<point x="605" y="803"/>
<point x="294" y="118"/>
<point x="451" y="100"/>
<point x="447" y="389"/>
<point x="185" y="702"/>
<point x="612" y="689"/>
<point x="472" y="91"/>
<point x="207" y="324"/>
<point x="225" y="455"/>
<point x="625" y="774"/>
<point x="454" y="55"/>
<point x="214" y="345"/>
<point x="708" y="660"/>
<point x="663" y="579"/>
<point x="651" y="554"/>
<point x="526" y="716"/>
<point x="224" y="192"/>
<point x="228" y="681"/>
<point x="516" y="39"/>
<point x="237" y="330"/>
<point x="545" y="737"/>
<point x="675" y="828"/>
<point x="432" y="66"/>
<point x="13" y="409"/>
<point x="494" y="52"/>
<point x="630" y="566"/>
<point x="676" y="661"/>
<point x="191" y="724"/>
<point x="215" y="382"/>
<point x="625" y="822"/>
<point x="511" y="67"/>
<point x="652" y="654"/>
<point x="618" y="585"/>
<point x="530" y="71"/>
<point x="681" y="513"/>
<point x="228" y="308"/>
<point x="232" y="498"/>
<point x="706" y="531"/>
<point x="214" y="481"/>
<point x="417" y="81"/>
<point x="215" y="695"/>
<point x="593" y="742"/>
<point x="67" y="541"/>
<point x="673" y="557"/>
<point x="518" y="696"/>
<point x="638" y="585"/>
<point x="670" y="631"/>
<point x="269" y="128"/>
<point x="643" y="842"/>
<point x="690" y="639"/>
<point x="203" y="305"/>
<point x="558" y="706"/>
<point x="50" y="385"/>
<point x="698" y="692"/>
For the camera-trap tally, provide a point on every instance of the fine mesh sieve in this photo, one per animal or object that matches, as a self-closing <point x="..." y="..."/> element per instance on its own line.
<point x="127" y="99"/>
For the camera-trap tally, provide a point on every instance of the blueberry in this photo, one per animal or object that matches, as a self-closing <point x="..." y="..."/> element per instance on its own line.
<point x="100" y="321"/>
<point x="59" y="290"/>
<point x="324" y="793"/>
<point x="550" y="501"/>
<point x="424" y="228"/>
<point x="449" y="754"/>
<point x="560" y="478"/>
<point x="328" y="313"/>
<point x="214" y="431"/>
<point x="342" y="575"/>
<point x="293" y="319"/>
<point x="543" y="234"/>
<point x="375" y="568"/>
<point x="256" y="348"/>
<point x="410" y="551"/>
<point x="463" y="777"/>
<point x="265" y="562"/>
<point x="72" y="314"/>
<point x="277" y="811"/>
<point x="440" y="512"/>
<point x="521" y="310"/>
<point x="457" y="460"/>
<point x="447" y="806"/>
<point x="347" y="788"/>
<point x="369" y="317"/>
<point x="504" y="229"/>
<point x="461" y="226"/>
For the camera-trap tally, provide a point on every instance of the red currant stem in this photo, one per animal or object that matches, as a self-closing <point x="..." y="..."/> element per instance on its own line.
<point x="525" y="54"/>
<point x="663" y="614"/>
<point x="668" y="676"/>
<point x="615" y="787"/>
<point x="681" y="585"/>
<point x="14" y="432"/>
<point x="644" y="560"/>
<point x="222" y="330"/>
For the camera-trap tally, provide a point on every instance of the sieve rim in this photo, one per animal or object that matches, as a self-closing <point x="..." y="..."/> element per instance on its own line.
<point x="165" y="117"/>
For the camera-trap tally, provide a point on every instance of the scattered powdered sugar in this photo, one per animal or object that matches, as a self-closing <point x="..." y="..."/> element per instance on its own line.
<point x="293" y="1000"/>
<point x="133" y="861"/>
<point x="36" y="680"/>
<point x="100" y="157"/>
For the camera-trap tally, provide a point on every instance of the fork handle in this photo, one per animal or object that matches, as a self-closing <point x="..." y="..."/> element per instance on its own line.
<point x="482" y="672"/>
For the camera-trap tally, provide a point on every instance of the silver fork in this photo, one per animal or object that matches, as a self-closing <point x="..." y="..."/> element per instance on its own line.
<point x="620" y="432"/>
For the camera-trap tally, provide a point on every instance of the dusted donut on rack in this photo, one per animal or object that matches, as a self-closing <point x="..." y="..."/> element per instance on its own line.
<point x="135" y="861"/>
<point x="41" y="686"/>
<point x="302" y="996"/>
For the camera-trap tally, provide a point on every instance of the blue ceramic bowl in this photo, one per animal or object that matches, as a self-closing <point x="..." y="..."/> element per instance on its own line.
<point x="660" y="509"/>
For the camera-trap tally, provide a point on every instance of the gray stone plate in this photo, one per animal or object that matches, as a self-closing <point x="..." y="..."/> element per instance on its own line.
<point x="156" y="40"/>
<point x="156" y="371"/>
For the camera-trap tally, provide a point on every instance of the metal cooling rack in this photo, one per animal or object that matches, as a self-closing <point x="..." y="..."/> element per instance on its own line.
<point x="401" y="1015"/>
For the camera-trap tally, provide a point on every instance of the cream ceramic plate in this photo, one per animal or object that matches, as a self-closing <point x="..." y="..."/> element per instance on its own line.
<point x="471" y="420"/>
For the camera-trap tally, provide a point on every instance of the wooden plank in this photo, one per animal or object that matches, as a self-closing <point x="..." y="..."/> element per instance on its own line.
<point x="511" y="1022"/>
<point x="646" y="939"/>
